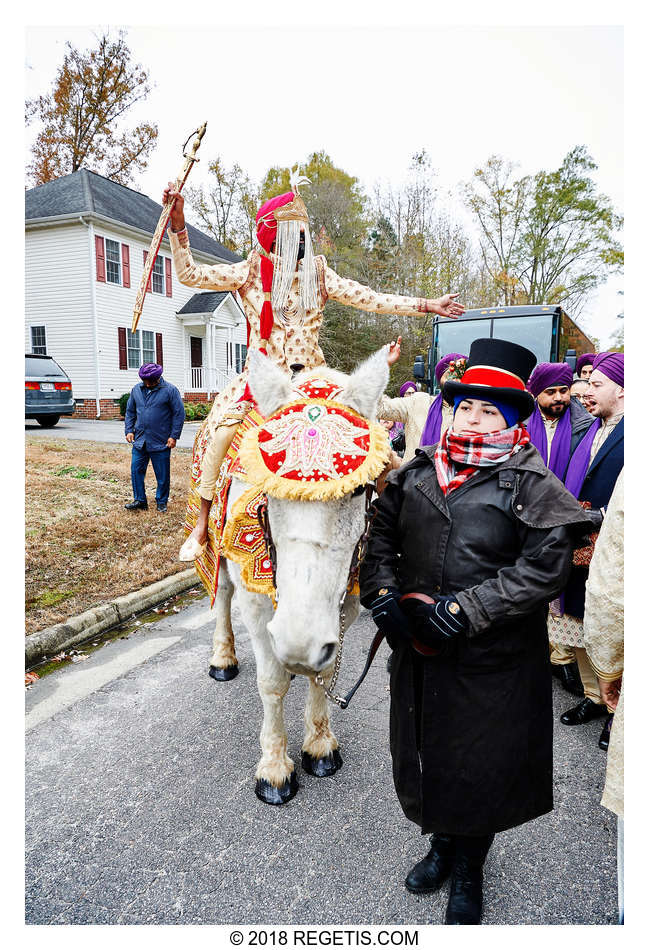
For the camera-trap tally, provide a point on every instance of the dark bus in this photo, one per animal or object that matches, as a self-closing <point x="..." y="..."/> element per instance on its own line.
<point x="546" y="330"/>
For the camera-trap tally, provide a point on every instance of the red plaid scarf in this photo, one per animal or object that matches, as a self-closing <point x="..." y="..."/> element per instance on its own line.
<point x="471" y="452"/>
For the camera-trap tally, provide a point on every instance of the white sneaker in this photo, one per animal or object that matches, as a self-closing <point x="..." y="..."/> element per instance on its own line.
<point x="191" y="549"/>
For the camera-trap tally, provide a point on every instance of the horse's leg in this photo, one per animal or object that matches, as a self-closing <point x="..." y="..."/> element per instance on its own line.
<point x="276" y="781"/>
<point x="320" y="754"/>
<point x="223" y="663"/>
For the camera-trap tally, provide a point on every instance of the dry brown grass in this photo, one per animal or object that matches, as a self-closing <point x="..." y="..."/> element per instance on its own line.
<point x="82" y="547"/>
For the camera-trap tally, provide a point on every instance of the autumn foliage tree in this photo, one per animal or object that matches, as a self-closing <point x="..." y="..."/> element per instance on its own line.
<point x="82" y="118"/>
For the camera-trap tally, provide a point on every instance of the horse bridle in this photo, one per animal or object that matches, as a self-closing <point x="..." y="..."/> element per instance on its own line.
<point x="360" y="550"/>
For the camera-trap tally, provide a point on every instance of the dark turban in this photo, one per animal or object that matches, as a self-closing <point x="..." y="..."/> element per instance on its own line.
<point x="586" y="359"/>
<point x="445" y="362"/>
<point x="612" y="365"/>
<point x="406" y="386"/>
<point x="150" y="371"/>
<point x="545" y="375"/>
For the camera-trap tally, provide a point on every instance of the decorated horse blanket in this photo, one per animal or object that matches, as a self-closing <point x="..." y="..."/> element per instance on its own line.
<point x="314" y="448"/>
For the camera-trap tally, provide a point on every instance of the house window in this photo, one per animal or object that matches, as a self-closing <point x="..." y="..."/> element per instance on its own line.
<point x="140" y="348"/>
<point x="240" y="351"/>
<point x="133" y="349"/>
<point x="148" y="346"/>
<point x="113" y="262"/>
<point x="158" y="276"/>
<point x="38" y="340"/>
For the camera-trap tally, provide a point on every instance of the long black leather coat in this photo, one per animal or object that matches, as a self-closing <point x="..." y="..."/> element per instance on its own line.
<point x="471" y="733"/>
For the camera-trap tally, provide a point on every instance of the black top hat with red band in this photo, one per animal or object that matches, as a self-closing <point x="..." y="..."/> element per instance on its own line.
<point x="496" y="370"/>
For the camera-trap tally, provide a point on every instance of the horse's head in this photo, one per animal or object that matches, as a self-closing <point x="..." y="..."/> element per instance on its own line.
<point x="316" y="505"/>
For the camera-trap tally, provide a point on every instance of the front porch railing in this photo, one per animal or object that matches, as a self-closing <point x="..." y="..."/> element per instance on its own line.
<point x="202" y="379"/>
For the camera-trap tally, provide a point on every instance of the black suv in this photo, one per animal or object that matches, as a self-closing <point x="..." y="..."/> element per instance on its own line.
<point x="48" y="390"/>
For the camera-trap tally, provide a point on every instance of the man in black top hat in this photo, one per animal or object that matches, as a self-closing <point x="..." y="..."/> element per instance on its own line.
<point x="470" y="541"/>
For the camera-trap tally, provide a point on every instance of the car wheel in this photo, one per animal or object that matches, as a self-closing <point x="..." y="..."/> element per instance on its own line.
<point x="47" y="421"/>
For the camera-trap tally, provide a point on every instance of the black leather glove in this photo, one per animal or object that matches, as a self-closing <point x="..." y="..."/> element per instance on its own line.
<point x="389" y="617"/>
<point x="438" y="624"/>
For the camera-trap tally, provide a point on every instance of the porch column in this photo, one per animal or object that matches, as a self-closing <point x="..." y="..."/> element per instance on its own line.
<point x="208" y="355"/>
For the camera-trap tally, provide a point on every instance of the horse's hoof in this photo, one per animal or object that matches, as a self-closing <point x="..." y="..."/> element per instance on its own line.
<point x="222" y="673"/>
<point x="274" y="795"/>
<point x="324" y="766"/>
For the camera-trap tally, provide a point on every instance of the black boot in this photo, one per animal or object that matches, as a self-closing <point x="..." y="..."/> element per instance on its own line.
<point x="568" y="676"/>
<point x="429" y="873"/>
<point x="583" y="712"/>
<point x="465" y="894"/>
<point x="137" y="506"/>
<point x="606" y="733"/>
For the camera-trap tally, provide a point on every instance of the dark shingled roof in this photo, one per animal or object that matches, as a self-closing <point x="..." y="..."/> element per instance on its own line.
<point x="204" y="303"/>
<point x="86" y="192"/>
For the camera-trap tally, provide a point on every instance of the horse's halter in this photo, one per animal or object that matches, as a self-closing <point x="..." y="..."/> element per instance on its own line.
<point x="352" y="578"/>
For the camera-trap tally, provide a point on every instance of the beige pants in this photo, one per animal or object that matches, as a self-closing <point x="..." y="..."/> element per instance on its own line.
<point x="214" y="455"/>
<point x="561" y="654"/>
<point x="588" y="676"/>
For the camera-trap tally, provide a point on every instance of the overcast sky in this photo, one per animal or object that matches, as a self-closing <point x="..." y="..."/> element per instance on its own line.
<point x="372" y="97"/>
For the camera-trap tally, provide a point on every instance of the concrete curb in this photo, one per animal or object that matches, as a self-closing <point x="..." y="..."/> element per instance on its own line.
<point x="99" y="619"/>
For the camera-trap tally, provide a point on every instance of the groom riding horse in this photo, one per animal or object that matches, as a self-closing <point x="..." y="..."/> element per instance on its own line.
<point x="284" y="288"/>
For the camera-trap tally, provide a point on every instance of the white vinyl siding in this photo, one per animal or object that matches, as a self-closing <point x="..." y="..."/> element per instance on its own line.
<point x="58" y="296"/>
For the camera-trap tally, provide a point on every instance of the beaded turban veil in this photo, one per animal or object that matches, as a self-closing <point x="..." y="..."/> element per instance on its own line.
<point x="279" y="221"/>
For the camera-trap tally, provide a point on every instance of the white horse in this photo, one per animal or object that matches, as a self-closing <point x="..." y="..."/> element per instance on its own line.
<point x="315" y="541"/>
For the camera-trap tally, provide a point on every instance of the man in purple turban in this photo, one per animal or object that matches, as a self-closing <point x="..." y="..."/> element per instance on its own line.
<point x="152" y="423"/>
<point x="585" y="365"/>
<point x="407" y="388"/>
<point x="556" y="427"/>
<point x="591" y="477"/>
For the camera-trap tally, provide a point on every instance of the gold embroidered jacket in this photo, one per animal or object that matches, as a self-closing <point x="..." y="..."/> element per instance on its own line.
<point x="293" y="339"/>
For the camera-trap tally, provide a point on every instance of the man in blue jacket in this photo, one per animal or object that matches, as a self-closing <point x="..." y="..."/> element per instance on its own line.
<point x="153" y="422"/>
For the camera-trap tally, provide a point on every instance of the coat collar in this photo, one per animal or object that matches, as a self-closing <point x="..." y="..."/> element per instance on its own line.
<point x="616" y="436"/>
<point x="527" y="460"/>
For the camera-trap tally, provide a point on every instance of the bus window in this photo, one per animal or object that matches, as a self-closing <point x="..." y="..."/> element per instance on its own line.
<point x="458" y="337"/>
<point x="533" y="332"/>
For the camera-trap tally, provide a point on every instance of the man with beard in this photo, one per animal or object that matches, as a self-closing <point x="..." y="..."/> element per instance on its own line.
<point x="591" y="477"/>
<point x="558" y="423"/>
<point x="556" y="427"/>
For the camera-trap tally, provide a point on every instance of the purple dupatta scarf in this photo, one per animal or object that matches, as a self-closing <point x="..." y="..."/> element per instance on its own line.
<point x="433" y="426"/>
<point x="580" y="461"/>
<point x="560" y="450"/>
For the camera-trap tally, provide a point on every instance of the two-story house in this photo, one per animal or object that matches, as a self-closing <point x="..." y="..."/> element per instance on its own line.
<point x="87" y="239"/>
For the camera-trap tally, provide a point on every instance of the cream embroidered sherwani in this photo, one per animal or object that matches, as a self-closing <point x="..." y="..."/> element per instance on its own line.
<point x="294" y="337"/>
<point x="604" y="632"/>
<point x="412" y="411"/>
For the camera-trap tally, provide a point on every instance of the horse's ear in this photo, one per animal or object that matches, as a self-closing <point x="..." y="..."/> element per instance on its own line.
<point x="269" y="385"/>
<point x="366" y="384"/>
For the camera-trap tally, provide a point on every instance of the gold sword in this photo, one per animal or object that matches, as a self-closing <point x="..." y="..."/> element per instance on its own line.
<point x="190" y="158"/>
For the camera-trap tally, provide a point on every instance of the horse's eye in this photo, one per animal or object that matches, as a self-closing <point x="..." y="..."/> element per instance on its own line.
<point x="358" y="491"/>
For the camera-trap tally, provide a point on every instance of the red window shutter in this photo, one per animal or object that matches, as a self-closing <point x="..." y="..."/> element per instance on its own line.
<point x="121" y="340"/>
<point x="148" y="284"/>
<point x="126" y="267"/>
<point x="167" y="261"/>
<point x="100" y="257"/>
<point x="158" y="349"/>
